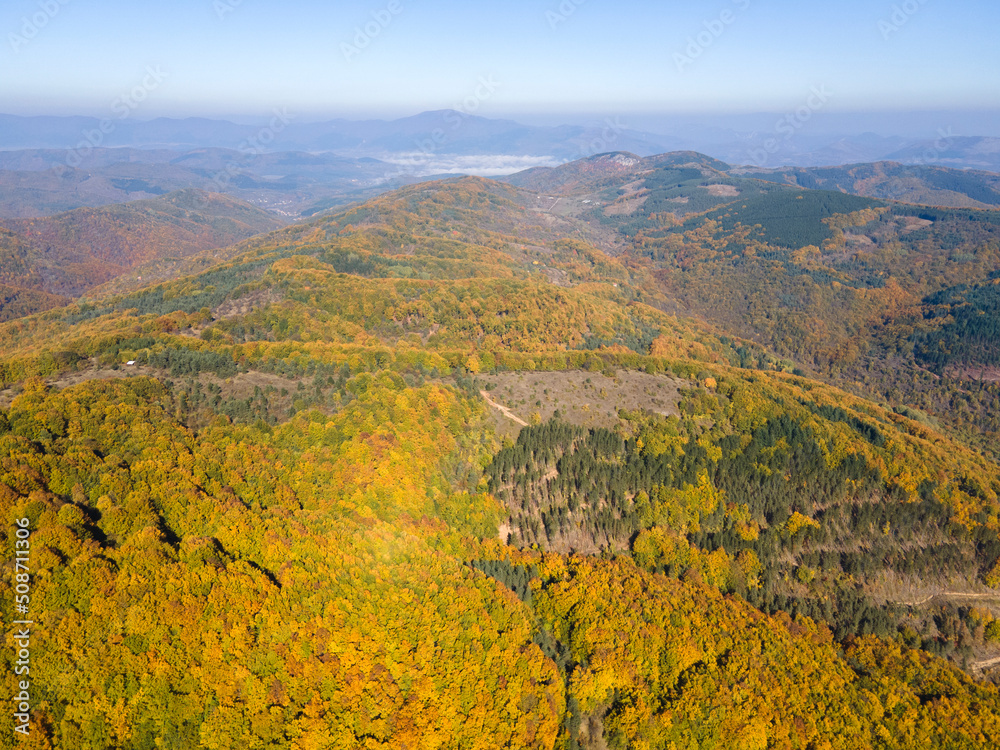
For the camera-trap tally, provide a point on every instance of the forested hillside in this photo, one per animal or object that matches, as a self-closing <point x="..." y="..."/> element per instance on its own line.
<point x="286" y="502"/>
<point x="884" y="180"/>
<point x="912" y="183"/>
<point x="46" y="182"/>
<point x="72" y="252"/>
<point x="852" y="289"/>
<point x="20" y="282"/>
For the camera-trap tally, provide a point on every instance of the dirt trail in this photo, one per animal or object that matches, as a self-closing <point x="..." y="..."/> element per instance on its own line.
<point x="987" y="664"/>
<point x="503" y="409"/>
<point x="950" y="595"/>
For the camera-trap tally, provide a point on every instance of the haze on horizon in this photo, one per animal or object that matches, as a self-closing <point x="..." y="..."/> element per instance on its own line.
<point x="524" y="59"/>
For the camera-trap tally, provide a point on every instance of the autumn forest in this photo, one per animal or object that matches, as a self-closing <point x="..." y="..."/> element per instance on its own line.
<point x="629" y="453"/>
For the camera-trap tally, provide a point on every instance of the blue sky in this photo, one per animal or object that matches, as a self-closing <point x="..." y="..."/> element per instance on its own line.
<point x="229" y="57"/>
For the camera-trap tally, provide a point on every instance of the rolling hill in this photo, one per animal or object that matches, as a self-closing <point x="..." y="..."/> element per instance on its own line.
<point x="69" y="253"/>
<point x="43" y="182"/>
<point x="840" y="283"/>
<point x="964" y="152"/>
<point x="548" y="463"/>
<point x="937" y="186"/>
<point x="915" y="183"/>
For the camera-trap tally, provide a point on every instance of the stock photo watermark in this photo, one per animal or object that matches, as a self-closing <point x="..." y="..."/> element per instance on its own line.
<point x="900" y="16"/>
<point x="786" y="127"/>
<point x="21" y="635"/>
<point x="712" y="30"/>
<point x="364" y="35"/>
<point x="605" y="142"/>
<point x="32" y="26"/>
<point x="484" y="91"/>
<point x="455" y="118"/>
<point x="560" y="15"/>
<point x="255" y="145"/>
<point x="122" y="107"/>
<point x="937" y="149"/>
<point x="224" y="7"/>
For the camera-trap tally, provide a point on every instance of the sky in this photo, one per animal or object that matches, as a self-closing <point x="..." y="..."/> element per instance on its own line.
<point x="514" y="58"/>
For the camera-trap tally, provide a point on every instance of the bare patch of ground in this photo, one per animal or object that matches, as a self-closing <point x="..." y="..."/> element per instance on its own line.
<point x="503" y="410"/>
<point x="592" y="732"/>
<point x="588" y="399"/>
<point x="577" y="216"/>
<point x="557" y="277"/>
<point x="858" y="239"/>
<point x="927" y="593"/>
<point x="723" y="191"/>
<point x="987" y="374"/>
<point x="913" y="223"/>
<point x="982" y="666"/>
<point x="626" y="206"/>
<point x="242" y="385"/>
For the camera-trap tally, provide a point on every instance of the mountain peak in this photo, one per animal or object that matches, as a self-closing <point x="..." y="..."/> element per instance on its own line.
<point x="624" y="159"/>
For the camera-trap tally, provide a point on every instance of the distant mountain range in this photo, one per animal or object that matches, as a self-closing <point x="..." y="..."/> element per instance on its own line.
<point x="37" y="182"/>
<point x="427" y="135"/>
<point x="449" y="141"/>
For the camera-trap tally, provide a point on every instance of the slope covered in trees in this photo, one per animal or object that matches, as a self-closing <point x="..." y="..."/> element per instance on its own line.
<point x="807" y="507"/>
<point x="69" y="253"/>
<point x="970" y="335"/>
<point x="911" y="183"/>
<point x="16" y="302"/>
<point x="842" y="285"/>
<point x="291" y="523"/>
<point x="317" y="583"/>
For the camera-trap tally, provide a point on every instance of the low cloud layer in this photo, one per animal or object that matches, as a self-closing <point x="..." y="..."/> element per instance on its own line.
<point x="483" y="165"/>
